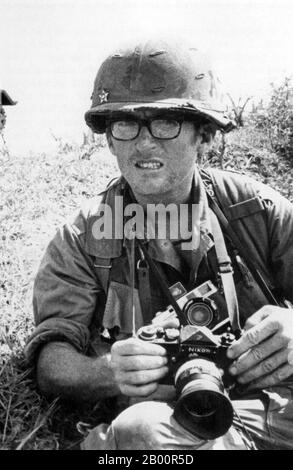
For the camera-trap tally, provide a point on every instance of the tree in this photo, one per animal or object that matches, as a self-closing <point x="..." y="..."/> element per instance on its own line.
<point x="238" y="109"/>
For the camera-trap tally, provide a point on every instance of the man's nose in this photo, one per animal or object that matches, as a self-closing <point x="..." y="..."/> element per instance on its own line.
<point x="144" y="139"/>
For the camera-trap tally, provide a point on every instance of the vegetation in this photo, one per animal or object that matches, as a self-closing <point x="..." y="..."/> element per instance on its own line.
<point x="38" y="192"/>
<point x="276" y="119"/>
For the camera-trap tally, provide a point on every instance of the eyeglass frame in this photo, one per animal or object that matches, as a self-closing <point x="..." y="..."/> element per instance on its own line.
<point x="147" y="123"/>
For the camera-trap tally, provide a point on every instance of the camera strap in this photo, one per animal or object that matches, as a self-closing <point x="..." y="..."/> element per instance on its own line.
<point x="243" y="250"/>
<point x="144" y="288"/>
<point x="243" y="431"/>
<point x="163" y="285"/>
<point x="132" y="278"/>
<point x="226" y="274"/>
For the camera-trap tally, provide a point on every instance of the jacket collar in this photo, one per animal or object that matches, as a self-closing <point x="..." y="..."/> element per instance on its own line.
<point x="116" y="197"/>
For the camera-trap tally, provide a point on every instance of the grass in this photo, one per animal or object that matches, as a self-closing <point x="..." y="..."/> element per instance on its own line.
<point x="38" y="192"/>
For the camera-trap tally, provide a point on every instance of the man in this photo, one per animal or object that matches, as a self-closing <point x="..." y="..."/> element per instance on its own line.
<point x="5" y="100"/>
<point x="158" y="104"/>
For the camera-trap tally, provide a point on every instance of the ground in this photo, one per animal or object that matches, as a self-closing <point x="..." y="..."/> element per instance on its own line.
<point x="38" y="192"/>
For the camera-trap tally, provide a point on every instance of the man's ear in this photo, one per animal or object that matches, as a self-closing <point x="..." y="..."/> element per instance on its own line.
<point x="208" y="132"/>
<point x="205" y="137"/>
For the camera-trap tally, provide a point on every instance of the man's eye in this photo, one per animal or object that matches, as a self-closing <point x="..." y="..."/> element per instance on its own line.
<point x="166" y="122"/>
<point x="122" y="124"/>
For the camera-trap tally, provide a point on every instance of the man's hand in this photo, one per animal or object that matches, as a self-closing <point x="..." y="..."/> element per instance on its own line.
<point x="264" y="354"/>
<point x="138" y="366"/>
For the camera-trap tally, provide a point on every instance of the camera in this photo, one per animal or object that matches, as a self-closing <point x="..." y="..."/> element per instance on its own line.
<point x="202" y="306"/>
<point x="198" y="363"/>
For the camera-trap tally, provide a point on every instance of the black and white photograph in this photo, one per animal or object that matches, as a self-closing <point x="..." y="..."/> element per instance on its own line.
<point x="146" y="215"/>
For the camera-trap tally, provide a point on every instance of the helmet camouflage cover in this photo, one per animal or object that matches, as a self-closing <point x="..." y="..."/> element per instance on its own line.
<point x="157" y="75"/>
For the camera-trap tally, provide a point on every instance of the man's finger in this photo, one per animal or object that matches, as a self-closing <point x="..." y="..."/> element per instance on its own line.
<point x="278" y="376"/>
<point x="268" y="366"/>
<point x="136" y="347"/>
<point x="141" y="391"/>
<point x="254" y="336"/>
<point x="257" y="354"/>
<point x="132" y="363"/>
<point x="142" y="377"/>
<point x="170" y="323"/>
<point x="258" y="316"/>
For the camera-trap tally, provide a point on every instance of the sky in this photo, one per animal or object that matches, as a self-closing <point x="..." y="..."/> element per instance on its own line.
<point x="50" y="51"/>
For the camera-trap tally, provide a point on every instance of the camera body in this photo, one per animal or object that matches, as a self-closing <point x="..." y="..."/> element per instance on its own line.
<point x="190" y="342"/>
<point x="198" y="363"/>
<point x="202" y="306"/>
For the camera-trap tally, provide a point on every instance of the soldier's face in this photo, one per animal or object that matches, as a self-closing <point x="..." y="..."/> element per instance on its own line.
<point x="154" y="167"/>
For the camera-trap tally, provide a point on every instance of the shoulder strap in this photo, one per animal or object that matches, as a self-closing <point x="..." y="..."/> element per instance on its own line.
<point x="103" y="265"/>
<point x="226" y="274"/>
<point x="237" y="201"/>
<point x="242" y="249"/>
<point x="102" y="269"/>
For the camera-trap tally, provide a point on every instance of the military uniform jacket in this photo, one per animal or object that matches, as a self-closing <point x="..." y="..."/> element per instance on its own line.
<point x="72" y="302"/>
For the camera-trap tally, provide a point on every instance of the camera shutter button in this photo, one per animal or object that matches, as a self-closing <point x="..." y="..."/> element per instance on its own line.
<point x="147" y="333"/>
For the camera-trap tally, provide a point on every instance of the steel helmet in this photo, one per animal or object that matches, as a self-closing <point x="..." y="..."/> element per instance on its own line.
<point x="157" y="75"/>
<point x="5" y="99"/>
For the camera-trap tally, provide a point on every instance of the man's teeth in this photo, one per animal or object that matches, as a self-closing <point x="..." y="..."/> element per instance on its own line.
<point x="151" y="165"/>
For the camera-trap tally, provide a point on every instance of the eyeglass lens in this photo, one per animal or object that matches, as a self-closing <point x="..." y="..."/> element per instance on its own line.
<point x="159" y="128"/>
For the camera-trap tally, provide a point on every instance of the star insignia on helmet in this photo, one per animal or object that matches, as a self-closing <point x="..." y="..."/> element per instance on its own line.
<point x="103" y="96"/>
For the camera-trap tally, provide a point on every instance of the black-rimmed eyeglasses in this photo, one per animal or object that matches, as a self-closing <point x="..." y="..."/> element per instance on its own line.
<point x="160" y="128"/>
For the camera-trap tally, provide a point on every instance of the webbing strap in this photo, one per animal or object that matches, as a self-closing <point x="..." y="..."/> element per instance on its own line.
<point x="243" y="250"/>
<point x="226" y="273"/>
<point x="102" y="269"/>
<point x="244" y="253"/>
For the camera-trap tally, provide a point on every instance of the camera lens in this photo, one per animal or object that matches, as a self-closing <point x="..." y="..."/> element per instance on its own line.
<point x="203" y="407"/>
<point x="200" y="311"/>
<point x="200" y="406"/>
